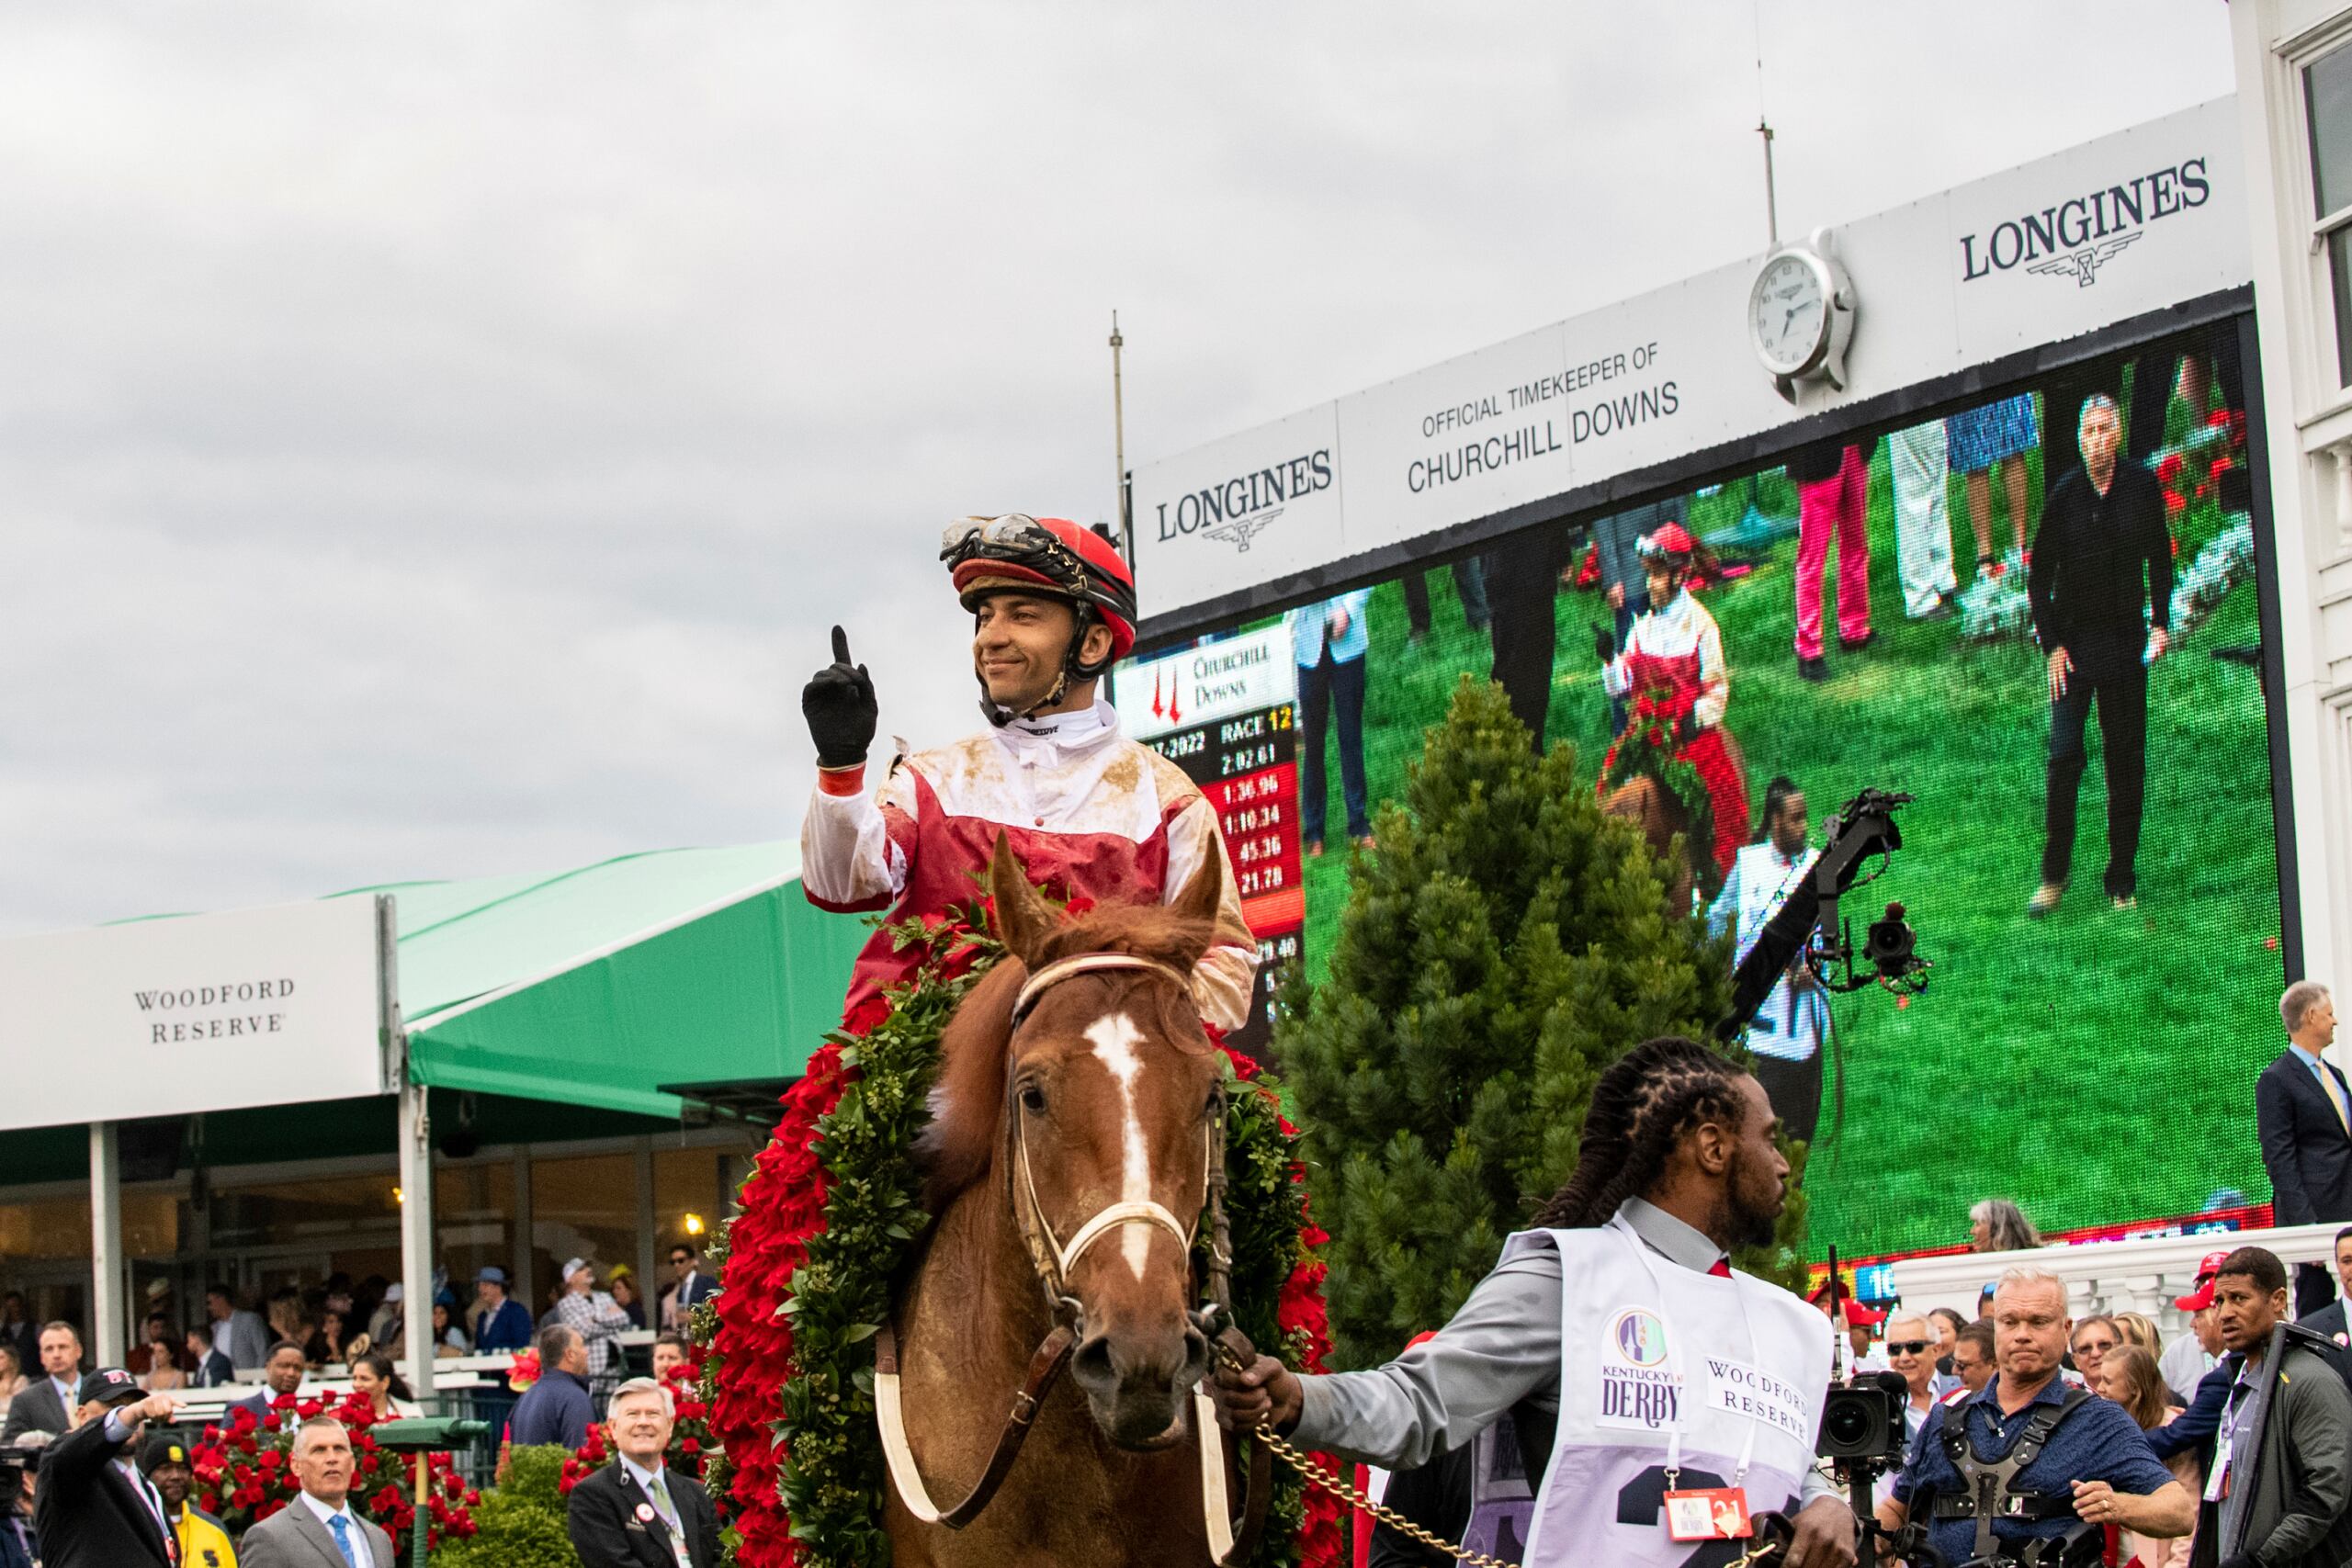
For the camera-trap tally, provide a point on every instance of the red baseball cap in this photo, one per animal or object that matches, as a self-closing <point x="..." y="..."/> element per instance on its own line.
<point x="2202" y="1297"/>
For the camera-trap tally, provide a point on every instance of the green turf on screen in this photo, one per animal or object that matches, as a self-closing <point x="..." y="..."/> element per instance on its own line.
<point x="2096" y="1066"/>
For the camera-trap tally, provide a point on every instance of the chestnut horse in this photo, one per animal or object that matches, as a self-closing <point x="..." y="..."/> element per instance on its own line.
<point x="1077" y="1104"/>
<point x="1651" y="806"/>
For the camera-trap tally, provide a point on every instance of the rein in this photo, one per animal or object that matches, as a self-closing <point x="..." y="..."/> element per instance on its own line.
<point x="1229" y="1543"/>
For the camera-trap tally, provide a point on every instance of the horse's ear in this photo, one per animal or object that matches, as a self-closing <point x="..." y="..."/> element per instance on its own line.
<point x="1024" y="920"/>
<point x="1204" y="890"/>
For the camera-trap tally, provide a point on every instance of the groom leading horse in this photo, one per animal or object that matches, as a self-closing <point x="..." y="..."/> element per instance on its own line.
<point x="1085" y="811"/>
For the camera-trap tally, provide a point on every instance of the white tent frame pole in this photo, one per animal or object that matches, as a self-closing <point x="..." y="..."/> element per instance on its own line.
<point x="417" y="1167"/>
<point x="109" y="1340"/>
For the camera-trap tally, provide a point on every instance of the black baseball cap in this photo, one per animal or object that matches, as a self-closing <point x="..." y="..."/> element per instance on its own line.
<point x="109" y="1385"/>
<point x="163" y="1449"/>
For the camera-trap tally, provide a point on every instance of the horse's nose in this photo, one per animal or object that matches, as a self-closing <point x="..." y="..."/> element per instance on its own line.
<point x="1134" y="1380"/>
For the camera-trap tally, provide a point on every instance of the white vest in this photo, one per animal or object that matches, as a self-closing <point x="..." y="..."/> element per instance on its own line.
<point x="1729" y="1364"/>
<point x="1790" y="1024"/>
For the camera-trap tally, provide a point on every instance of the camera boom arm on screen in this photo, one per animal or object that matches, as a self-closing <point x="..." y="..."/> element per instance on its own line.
<point x="1805" y="927"/>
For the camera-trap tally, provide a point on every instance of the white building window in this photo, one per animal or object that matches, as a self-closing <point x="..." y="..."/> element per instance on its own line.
<point x="2328" y="105"/>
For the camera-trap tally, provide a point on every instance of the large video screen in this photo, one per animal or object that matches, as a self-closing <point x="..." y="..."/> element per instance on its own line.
<point x="1868" y="615"/>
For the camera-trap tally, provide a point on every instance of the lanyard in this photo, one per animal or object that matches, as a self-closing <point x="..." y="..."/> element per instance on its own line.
<point x="1674" y="1348"/>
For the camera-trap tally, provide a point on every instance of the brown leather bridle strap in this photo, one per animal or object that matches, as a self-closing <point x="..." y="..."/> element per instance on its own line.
<point x="1045" y="1371"/>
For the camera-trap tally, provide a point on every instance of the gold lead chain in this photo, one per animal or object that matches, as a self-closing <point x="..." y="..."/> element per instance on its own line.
<point x="1322" y="1477"/>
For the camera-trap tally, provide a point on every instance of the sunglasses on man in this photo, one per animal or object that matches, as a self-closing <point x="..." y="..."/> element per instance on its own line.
<point x="1906" y="1348"/>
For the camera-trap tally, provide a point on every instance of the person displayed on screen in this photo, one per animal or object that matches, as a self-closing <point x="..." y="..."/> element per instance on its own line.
<point x="1980" y="442"/>
<point x="1915" y="461"/>
<point x="1624" y="572"/>
<point x="2101" y="569"/>
<point x="1672" y="667"/>
<point x="1329" y="640"/>
<point x="1996" y="1225"/>
<point x="1832" y="483"/>
<point x="1787" y="1032"/>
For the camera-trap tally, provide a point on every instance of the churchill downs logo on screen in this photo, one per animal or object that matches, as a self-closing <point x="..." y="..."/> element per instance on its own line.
<point x="1237" y="510"/>
<point x="2076" y="237"/>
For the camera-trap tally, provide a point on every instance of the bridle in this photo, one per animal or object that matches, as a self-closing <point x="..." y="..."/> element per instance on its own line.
<point x="1230" y="1542"/>
<point x="1051" y="1257"/>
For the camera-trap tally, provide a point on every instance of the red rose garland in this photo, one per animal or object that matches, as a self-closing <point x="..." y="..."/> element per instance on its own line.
<point x="244" y="1472"/>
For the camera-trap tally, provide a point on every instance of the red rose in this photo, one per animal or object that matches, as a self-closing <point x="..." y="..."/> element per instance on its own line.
<point x="2169" y="470"/>
<point x="2175" y="503"/>
<point x="688" y="1445"/>
<point x="1657" y="735"/>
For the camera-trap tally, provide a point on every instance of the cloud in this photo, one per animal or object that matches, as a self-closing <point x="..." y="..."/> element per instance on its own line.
<point x="435" y="442"/>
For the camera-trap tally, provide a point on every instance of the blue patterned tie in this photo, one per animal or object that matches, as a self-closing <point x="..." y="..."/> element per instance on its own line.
<point x="343" y="1538"/>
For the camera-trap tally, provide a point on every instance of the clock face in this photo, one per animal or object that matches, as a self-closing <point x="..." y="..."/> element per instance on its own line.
<point x="1788" y="314"/>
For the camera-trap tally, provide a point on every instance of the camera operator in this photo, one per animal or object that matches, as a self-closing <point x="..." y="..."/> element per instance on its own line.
<point x="15" y="1507"/>
<point x="2080" y="1462"/>
<point x="1674" y="1384"/>
<point x="95" y="1509"/>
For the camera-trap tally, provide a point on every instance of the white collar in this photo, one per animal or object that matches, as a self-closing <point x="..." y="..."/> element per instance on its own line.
<point x="325" y="1512"/>
<point x="639" y="1473"/>
<point x="1065" y="729"/>
<point x="66" y="1392"/>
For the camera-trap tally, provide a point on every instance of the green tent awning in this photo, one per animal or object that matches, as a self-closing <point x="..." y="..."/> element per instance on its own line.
<point x="594" y="987"/>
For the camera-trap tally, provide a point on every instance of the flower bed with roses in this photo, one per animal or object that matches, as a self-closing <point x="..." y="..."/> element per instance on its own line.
<point x="244" y="1472"/>
<point x="801" y="1485"/>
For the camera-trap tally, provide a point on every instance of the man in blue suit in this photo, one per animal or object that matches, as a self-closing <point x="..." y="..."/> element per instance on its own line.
<point x="2302" y="1108"/>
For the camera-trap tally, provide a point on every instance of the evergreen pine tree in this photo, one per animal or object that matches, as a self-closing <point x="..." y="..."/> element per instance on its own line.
<point x="1505" y="944"/>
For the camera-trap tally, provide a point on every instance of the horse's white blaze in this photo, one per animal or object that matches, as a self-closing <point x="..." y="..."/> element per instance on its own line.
<point x="1115" y="1039"/>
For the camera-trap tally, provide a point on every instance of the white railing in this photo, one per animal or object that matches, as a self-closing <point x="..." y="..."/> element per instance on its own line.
<point x="2142" y="1275"/>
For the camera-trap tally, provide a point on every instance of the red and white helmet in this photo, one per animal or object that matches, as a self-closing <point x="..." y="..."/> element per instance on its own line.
<point x="1672" y="544"/>
<point x="992" y="555"/>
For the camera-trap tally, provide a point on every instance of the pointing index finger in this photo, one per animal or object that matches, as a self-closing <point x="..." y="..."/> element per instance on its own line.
<point x="841" y="645"/>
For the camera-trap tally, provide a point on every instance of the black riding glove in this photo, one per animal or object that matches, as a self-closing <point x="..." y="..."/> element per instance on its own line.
<point x="838" y="703"/>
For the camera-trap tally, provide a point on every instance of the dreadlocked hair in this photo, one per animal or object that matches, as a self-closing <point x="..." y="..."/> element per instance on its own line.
<point x="1640" y="1108"/>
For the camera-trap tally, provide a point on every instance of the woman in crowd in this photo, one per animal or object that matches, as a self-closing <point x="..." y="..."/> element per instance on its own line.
<point x="2137" y="1329"/>
<point x="325" y="1345"/>
<point x="374" y="1381"/>
<point x="2129" y="1376"/>
<point x="12" y="1374"/>
<point x="448" y="1338"/>
<point x="1995" y="1224"/>
<point x="1947" y="1324"/>
<point x="2096" y="1338"/>
<point x="624" y="1296"/>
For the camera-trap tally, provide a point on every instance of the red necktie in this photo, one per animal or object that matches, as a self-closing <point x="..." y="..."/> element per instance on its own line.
<point x="1722" y="1269"/>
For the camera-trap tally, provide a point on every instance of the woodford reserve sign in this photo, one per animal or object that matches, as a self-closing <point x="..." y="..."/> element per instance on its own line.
<point x="204" y="1012"/>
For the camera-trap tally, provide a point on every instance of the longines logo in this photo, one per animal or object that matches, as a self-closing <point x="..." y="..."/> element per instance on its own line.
<point x="1237" y="510"/>
<point x="2077" y="236"/>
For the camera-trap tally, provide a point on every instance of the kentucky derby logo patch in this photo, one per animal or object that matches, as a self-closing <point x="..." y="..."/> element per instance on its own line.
<point x="1637" y="1390"/>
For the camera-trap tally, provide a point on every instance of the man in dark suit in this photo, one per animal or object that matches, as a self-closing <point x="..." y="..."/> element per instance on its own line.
<point x="2330" y="1319"/>
<point x="281" y="1378"/>
<point x="629" y="1514"/>
<point x="689" y="1286"/>
<point x="46" y="1404"/>
<point x="93" y="1508"/>
<point x="318" y="1529"/>
<point x="2302" y="1110"/>
<point x="213" y="1370"/>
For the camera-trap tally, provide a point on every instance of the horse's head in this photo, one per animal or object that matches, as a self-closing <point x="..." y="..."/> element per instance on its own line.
<point x="1104" y="1090"/>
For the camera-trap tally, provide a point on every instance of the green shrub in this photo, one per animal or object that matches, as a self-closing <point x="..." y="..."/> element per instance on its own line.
<point x="519" y="1523"/>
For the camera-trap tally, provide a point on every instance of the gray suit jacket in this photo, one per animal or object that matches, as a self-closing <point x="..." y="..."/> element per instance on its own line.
<point x="35" y="1408"/>
<point x="293" y="1538"/>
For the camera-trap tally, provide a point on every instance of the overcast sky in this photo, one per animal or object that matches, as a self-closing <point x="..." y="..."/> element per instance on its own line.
<point x="435" y="439"/>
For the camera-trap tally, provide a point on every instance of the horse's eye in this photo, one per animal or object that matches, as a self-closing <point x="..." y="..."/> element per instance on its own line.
<point x="1033" y="1099"/>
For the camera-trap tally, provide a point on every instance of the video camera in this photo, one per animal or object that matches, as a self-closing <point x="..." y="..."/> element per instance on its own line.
<point x="1863" y="1423"/>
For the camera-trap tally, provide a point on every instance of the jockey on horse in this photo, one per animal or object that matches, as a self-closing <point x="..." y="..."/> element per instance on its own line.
<point x="1086" y="812"/>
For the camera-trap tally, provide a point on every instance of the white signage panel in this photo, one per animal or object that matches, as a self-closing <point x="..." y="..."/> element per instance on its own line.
<point x="2098" y="233"/>
<point x="1459" y="440"/>
<point x="2106" y="232"/>
<point x="1217" y="680"/>
<point x="1248" y="508"/>
<point x="209" y="1012"/>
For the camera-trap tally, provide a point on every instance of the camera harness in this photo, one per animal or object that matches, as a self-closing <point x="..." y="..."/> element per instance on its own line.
<point x="1992" y="1490"/>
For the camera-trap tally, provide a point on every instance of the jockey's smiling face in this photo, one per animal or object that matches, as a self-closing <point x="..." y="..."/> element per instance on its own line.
<point x="1664" y="581"/>
<point x="1018" y="641"/>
